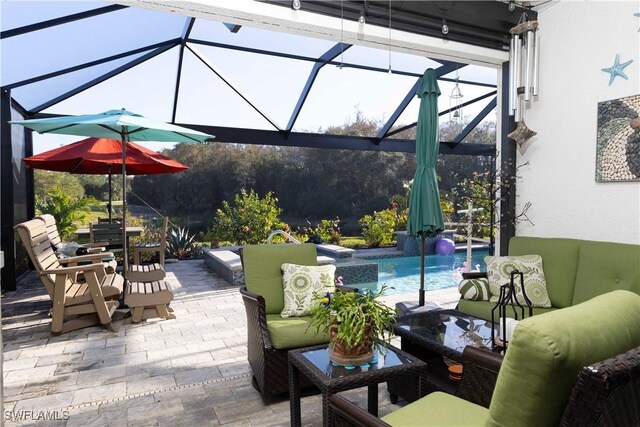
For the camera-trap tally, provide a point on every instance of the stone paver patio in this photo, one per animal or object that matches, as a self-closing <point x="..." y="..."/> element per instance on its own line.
<point x="191" y="371"/>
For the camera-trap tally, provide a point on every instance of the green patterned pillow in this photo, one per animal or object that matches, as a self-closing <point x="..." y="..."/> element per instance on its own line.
<point x="301" y="282"/>
<point x="499" y="272"/>
<point x="475" y="289"/>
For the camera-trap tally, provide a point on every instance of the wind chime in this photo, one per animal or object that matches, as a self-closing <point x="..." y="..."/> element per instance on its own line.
<point x="455" y="106"/>
<point x="524" y="59"/>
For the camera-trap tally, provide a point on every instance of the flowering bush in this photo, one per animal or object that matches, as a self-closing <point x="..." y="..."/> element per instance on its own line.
<point x="249" y="220"/>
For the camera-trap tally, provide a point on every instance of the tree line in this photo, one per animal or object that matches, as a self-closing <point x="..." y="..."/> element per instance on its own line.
<point x="309" y="183"/>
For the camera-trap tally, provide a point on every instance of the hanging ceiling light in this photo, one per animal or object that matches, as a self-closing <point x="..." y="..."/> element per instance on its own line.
<point x="445" y="27"/>
<point x="512" y="5"/>
<point x="295" y="4"/>
<point x="444" y="11"/>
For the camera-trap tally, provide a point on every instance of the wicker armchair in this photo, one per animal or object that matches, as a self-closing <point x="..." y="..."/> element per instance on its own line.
<point x="606" y="393"/>
<point x="548" y="376"/>
<point x="263" y="300"/>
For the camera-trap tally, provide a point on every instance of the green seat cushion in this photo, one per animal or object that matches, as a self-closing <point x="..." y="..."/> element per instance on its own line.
<point x="546" y="353"/>
<point x="262" y="269"/>
<point x="605" y="267"/>
<point x="559" y="261"/>
<point x="438" y="409"/>
<point x="293" y="332"/>
<point x="482" y="309"/>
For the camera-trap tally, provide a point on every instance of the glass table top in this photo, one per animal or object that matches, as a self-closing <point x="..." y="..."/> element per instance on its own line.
<point x="383" y="358"/>
<point x="447" y="328"/>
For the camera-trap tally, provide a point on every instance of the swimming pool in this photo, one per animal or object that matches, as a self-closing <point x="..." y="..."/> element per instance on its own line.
<point x="403" y="273"/>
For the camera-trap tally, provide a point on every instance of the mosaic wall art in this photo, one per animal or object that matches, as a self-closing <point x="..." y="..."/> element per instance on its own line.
<point x="618" y="143"/>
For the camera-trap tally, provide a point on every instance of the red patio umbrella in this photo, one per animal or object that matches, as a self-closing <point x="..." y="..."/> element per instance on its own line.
<point x="101" y="156"/>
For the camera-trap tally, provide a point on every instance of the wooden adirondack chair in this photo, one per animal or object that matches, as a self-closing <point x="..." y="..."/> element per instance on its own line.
<point x="54" y="237"/>
<point x="75" y="304"/>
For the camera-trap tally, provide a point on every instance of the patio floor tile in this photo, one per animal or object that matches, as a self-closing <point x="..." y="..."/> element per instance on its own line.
<point x="192" y="371"/>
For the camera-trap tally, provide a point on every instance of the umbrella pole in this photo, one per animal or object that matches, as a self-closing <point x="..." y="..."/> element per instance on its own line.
<point x="421" y="295"/>
<point x="109" y="206"/>
<point x="125" y="246"/>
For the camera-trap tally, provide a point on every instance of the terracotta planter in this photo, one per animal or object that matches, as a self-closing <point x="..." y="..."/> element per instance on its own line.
<point x="342" y="354"/>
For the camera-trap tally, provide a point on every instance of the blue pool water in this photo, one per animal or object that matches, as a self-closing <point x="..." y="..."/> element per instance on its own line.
<point x="403" y="273"/>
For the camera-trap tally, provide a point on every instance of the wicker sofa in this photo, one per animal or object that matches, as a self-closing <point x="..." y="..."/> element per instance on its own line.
<point x="550" y="375"/>
<point x="575" y="271"/>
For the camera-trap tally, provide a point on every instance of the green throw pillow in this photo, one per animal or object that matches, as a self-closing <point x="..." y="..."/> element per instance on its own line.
<point x="499" y="272"/>
<point x="475" y="289"/>
<point x="301" y="282"/>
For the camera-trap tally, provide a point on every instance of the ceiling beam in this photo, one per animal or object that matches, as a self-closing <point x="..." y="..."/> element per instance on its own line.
<point x="188" y="26"/>
<point x="476" y="120"/>
<point x="58" y="21"/>
<point x="233" y="87"/>
<point x="446" y="68"/>
<point x="102" y="78"/>
<point x="322" y="61"/>
<point x="326" y="141"/>
<point x="274" y="17"/>
<point x="57" y="73"/>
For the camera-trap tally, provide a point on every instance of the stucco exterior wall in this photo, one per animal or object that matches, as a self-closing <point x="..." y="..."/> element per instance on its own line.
<point x="578" y="39"/>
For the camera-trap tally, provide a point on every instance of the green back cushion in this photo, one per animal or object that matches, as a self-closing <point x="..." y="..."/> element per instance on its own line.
<point x="559" y="261"/>
<point x="604" y="267"/>
<point x="262" y="273"/>
<point x="293" y="332"/>
<point x="546" y="353"/>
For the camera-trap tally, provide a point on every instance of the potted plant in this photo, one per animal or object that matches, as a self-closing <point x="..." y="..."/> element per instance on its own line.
<point x="356" y="322"/>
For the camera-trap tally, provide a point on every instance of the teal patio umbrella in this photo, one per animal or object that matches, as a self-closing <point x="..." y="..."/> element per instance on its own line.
<point x="425" y="215"/>
<point x="122" y="125"/>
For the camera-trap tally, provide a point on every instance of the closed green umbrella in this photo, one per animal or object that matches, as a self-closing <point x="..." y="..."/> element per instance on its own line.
<point x="425" y="215"/>
<point x="116" y="124"/>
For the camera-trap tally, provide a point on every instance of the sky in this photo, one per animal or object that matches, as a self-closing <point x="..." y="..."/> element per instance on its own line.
<point x="272" y="84"/>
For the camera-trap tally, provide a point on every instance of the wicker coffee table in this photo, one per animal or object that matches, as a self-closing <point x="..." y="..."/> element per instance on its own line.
<point x="314" y="364"/>
<point x="438" y="337"/>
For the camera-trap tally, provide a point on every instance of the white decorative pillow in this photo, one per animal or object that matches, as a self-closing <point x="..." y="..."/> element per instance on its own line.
<point x="475" y="289"/>
<point x="499" y="272"/>
<point x="301" y="282"/>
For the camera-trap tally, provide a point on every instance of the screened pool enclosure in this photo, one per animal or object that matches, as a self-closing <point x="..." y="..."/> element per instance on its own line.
<point x="250" y="72"/>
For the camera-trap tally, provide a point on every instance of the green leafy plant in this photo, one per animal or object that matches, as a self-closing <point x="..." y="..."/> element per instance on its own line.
<point x="249" y="220"/>
<point x="180" y="243"/>
<point x="350" y="316"/>
<point x="377" y="229"/>
<point x="68" y="211"/>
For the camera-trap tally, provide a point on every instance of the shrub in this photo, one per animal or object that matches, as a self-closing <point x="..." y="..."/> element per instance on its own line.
<point x="377" y="229"/>
<point x="66" y="210"/>
<point x="249" y="220"/>
<point x="329" y="230"/>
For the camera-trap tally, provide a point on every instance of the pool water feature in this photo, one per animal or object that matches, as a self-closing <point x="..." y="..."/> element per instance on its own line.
<point x="403" y="273"/>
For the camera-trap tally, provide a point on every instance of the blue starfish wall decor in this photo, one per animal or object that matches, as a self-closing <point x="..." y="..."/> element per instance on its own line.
<point x="638" y="15"/>
<point x="617" y="69"/>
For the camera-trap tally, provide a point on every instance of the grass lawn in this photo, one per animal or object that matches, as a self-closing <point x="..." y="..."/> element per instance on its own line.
<point x="357" y="242"/>
<point x="100" y="211"/>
